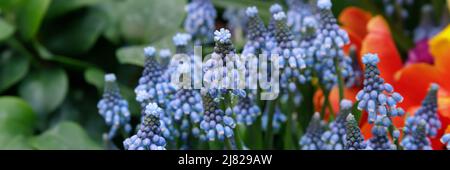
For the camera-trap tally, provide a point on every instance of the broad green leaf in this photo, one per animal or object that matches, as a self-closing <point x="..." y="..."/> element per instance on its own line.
<point x="8" y="5"/>
<point x="45" y="89"/>
<point x="133" y="55"/>
<point x="60" y="7"/>
<point x="112" y="31"/>
<point x="6" y="30"/>
<point x="64" y="136"/>
<point x="16" y="117"/>
<point x="14" y="142"/>
<point x="95" y="76"/>
<point x="30" y="16"/>
<point x="13" y="68"/>
<point x="78" y="36"/>
<point x="144" y="21"/>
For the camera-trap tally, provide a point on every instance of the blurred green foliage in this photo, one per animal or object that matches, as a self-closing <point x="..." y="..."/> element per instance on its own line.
<point x="54" y="53"/>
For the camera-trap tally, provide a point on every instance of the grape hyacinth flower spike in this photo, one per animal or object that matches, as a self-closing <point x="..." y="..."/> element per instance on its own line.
<point x="153" y="85"/>
<point x="354" y="138"/>
<point x="334" y="138"/>
<point x="221" y="71"/>
<point x="446" y="138"/>
<point x="307" y="46"/>
<point x="331" y="64"/>
<point x="278" y="120"/>
<point x="291" y="60"/>
<point x="256" y="33"/>
<point x="377" y="97"/>
<point x="149" y="135"/>
<point x="216" y="124"/>
<point x="113" y="108"/>
<point x="428" y="111"/>
<point x="247" y="110"/>
<point x="311" y="140"/>
<point x="416" y="134"/>
<point x="380" y="140"/>
<point x="200" y="20"/>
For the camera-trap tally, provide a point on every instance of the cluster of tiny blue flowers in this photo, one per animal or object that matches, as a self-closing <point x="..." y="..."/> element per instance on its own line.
<point x="221" y="71"/>
<point x="329" y="42"/>
<point x="236" y="18"/>
<point x="307" y="46"/>
<point x="312" y="139"/>
<point x="216" y="123"/>
<point x="246" y="110"/>
<point x="200" y="20"/>
<point x="446" y="140"/>
<point x="334" y="138"/>
<point x="271" y="28"/>
<point x="296" y="14"/>
<point x="377" y="97"/>
<point x="290" y="57"/>
<point x="149" y="135"/>
<point x="113" y="108"/>
<point x="354" y="139"/>
<point x="416" y="134"/>
<point x="380" y="140"/>
<point x="187" y="109"/>
<point x="153" y="86"/>
<point x="428" y="111"/>
<point x="278" y="119"/>
<point x="256" y="35"/>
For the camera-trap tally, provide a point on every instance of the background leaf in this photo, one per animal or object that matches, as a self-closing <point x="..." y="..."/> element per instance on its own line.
<point x="94" y="77"/>
<point x="13" y="68"/>
<point x="60" y="7"/>
<point x="64" y="136"/>
<point x="30" y="17"/>
<point x="6" y="30"/>
<point x="17" y="121"/>
<point x="45" y="89"/>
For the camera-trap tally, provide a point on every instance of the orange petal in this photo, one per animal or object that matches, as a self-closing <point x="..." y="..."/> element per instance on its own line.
<point x="366" y="130"/>
<point x="379" y="41"/>
<point x="413" y="82"/>
<point x="440" y="49"/>
<point x="354" y="20"/>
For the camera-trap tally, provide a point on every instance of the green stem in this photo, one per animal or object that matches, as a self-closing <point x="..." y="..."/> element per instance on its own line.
<point x="340" y="79"/>
<point x="269" y="134"/>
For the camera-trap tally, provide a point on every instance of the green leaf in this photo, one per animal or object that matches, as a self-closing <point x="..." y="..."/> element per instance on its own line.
<point x="144" y="21"/>
<point x="133" y="55"/>
<point x="14" y="142"/>
<point x="78" y="36"/>
<point x="95" y="76"/>
<point x="64" y="136"/>
<point x="13" y="68"/>
<point x="45" y="89"/>
<point x="60" y="7"/>
<point x="30" y="17"/>
<point x="10" y="4"/>
<point x="16" y="117"/>
<point x="6" y="30"/>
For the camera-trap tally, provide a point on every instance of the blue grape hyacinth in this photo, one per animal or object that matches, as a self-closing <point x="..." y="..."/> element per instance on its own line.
<point x="187" y="109"/>
<point x="307" y="46"/>
<point x="278" y="120"/>
<point x="257" y="32"/>
<point x="335" y="137"/>
<point x="428" y="111"/>
<point x="221" y="71"/>
<point x="416" y="134"/>
<point x="247" y="110"/>
<point x="380" y="140"/>
<point x="446" y="140"/>
<point x="291" y="60"/>
<point x="200" y="20"/>
<point x="329" y="54"/>
<point x="149" y="135"/>
<point x="153" y="85"/>
<point x="377" y="97"/>
<point x="216" y="124"/>
<point x="354" y="138"/>
<point x="311" y="140"/>
<point x="113" y="108"/>
<point x="296" y="14"/>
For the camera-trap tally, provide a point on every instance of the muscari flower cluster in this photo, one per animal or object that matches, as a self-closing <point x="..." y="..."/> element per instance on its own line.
<point x="221" y="71"/>
<point x="328" y="51"/>
<point x="311" y="140"/>
<point x="247" y="110"/>
<point x="354" y="139"/>
<point x="380" y="140"/>
<point x="296" y="14"/>
<point x="446" y="139"/>
<point x="416" y="134"/>
<point x="428" y="111"/>
<point x="256" y="35"/>
<point x="377" y="97"/>
<point x="236" y="18"/>
<point x="113" y="108"/>
<point x="200" y="20"/>
<point x="307" y="47"/>
<point x="216" y="123"/>
<point x="334" y="138"/>
<point x="290" y="58"/>
<point x="149" y="135"/>
<point x="278" y="119"/>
